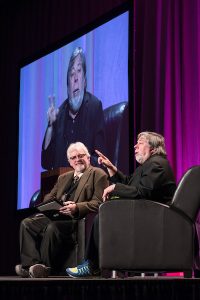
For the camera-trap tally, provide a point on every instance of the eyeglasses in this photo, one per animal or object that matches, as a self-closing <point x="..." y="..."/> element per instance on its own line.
<point x="79" y="156"/>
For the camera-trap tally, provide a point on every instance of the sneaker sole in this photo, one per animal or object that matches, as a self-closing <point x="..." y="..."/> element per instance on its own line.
<point x="39" y="271"/>
<point x="79" y="277"/>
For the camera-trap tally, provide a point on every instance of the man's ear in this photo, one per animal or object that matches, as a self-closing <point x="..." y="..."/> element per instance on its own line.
<point x="70" y="163"/>
<point x="152" y="151"/>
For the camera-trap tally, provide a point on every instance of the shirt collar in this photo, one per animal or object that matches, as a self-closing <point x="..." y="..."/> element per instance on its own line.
<point x="79" y="175"/>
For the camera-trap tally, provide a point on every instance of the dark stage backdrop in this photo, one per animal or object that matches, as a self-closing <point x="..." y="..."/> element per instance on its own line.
<point x="166" y="81"/>
<point x="167" y="76"/>
<point x="27" y="28"/>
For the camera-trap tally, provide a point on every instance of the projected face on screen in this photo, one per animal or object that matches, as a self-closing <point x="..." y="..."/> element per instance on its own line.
<point x="76" y="80"/>
<point x="79" y="118"/>
<point x="73" y="94"/>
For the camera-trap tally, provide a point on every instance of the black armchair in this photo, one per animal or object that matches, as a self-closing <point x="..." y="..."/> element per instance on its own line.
<point x="145" y="236"/>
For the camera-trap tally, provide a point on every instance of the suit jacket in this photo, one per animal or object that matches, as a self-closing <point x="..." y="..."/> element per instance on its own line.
<point x="88" y="195"/>
<point x="88" y="128"/>
<point x="153" y="180"/>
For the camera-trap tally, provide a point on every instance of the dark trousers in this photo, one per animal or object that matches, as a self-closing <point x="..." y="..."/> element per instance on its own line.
<point x="46" y="241"/>
<point x="92" y="247"/>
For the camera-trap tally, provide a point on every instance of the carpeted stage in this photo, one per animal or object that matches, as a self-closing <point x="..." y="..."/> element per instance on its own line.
<point x="65" y="288"/>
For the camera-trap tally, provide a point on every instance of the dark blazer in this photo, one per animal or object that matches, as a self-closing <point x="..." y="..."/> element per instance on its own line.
<point x="153" y="180"/>
<point x="88" y="195"/>
<point x="88" y="128"/>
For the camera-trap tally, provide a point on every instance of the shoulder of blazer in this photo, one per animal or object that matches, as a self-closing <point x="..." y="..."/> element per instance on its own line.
<point x="99" y="171"/>
<point x="92" y="170"/>
<point x="96" y="170"/>
<point x="88" y="171"/>
<point x="65" y="175"/>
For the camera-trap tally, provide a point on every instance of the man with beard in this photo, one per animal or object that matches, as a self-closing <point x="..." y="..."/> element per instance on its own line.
<point x="45" y="242"/>
<point x="79" y="118"/>
<point x="152" y="180"/>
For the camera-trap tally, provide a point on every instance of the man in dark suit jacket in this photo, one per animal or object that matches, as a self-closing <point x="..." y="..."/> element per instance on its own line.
<point x="67" y="124"/>
<point x="44" y="241"/>
<point x="153" y="180"/>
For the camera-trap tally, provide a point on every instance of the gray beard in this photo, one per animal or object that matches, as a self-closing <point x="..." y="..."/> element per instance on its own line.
<point x="75" y="102"/>
<point x="139" y="158"/>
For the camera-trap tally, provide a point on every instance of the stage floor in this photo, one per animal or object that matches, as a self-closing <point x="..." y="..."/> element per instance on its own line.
<point x="99" y="278"/>
<point x="66" y="288"/>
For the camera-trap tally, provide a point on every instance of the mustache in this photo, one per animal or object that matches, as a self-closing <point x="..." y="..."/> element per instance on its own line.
<point x="76" y="101"/>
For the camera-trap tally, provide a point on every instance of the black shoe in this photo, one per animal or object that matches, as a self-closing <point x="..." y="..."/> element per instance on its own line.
<point x="39" y="271"/>
<point x="22" y="272"/>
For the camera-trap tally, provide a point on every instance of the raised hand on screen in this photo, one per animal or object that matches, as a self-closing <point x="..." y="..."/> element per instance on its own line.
<point x="52" y="111"/>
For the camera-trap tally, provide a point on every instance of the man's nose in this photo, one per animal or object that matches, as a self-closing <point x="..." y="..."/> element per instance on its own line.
<point x="75" y="77"/>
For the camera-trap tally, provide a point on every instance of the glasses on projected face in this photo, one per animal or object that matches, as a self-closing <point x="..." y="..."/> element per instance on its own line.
<point x="79" y="156"/>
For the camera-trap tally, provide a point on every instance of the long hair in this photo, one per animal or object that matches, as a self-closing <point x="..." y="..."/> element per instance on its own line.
<point x="156" y="142"/>
<point x="77" y="51"/>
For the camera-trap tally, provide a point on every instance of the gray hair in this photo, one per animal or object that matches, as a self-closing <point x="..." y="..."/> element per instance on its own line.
<point x="156" y="142"/>
<point x="77" y="51"/>
<point x="79" y="147"/>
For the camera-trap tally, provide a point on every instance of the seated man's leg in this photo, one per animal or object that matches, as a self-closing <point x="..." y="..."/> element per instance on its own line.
<point x="91" y="264"/>
<point x="57" y="243"/>
<point x="92" y="247"/>
<point x="30" y="238"/>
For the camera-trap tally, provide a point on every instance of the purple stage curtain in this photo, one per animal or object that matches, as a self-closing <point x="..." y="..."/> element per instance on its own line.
<point x="167" y="74"/>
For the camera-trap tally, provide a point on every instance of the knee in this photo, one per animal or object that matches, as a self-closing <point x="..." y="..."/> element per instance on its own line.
<point x="59" y="230"/>
<point x="25" y="223"/>
<point x="51" y="228"/>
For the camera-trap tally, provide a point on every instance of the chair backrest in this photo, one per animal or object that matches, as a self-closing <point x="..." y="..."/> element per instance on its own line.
<point x="187" y="195"/>
<point x="35" y="199"/>
<point x="116" y="123"/>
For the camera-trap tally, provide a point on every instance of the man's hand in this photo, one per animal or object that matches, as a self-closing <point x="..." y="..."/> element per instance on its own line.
<point x="52" y="114"/>
<point x="102" y="159"/>
<point x="69" y="208"/>
<point x="51" y="118"/>
<point x="107" y="192"/>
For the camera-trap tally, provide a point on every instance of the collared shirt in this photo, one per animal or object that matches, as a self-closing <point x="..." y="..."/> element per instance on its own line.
<point x="79" y="175"/>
